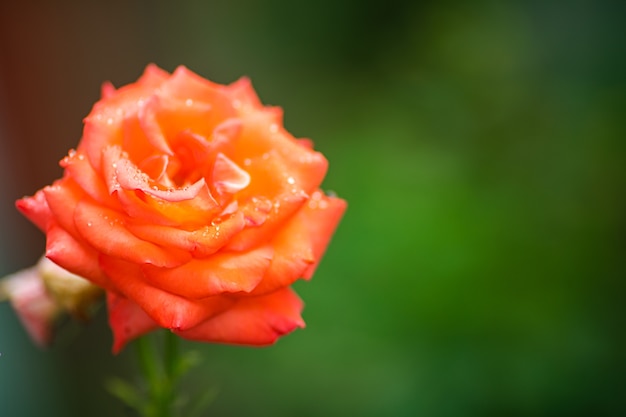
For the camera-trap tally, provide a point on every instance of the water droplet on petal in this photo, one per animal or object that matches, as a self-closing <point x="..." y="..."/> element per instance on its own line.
<point x="89" y="224"/>
<point x="189" y="102"/>
<point x="110" y="121"/>
<point x="291" y="180"/>
<point x="273" y="128"/>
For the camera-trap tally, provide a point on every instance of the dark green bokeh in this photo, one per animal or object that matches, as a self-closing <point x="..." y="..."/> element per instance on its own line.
<point x="479" y="270"/>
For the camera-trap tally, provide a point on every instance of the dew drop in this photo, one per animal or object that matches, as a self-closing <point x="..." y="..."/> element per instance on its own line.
<point x="189" y="102"/>
<point x="291" y="180"/>
<point x="110" y="121"/>
<point x="71" y="153"/>
<point x="236" y="104"/>
<point x="89" y="224"/>
<point x="247" y="162"/>
<point x="273" y="128"/>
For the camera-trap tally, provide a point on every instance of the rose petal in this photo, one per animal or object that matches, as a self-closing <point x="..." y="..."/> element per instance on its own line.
<point x="105" y="230"/>
<point x="228" y="177"/>
<point x="192" y="204"/>
<point x="174" y="114"/>
<point x="243" y="96"/>
<point x="166" y="309"/>
<point x="107" y="90"/>
<point x="200" y="243"/>
<point x="127" y="320"/>
<point x="36" y="209"/>
<point x="301" y="242"/>
<point x="252" y="321"/>
<point x="80" y="170"/>
<point x="148" y="122"/>
<point x="321" y="216"/>
<point x="62" y="197"/>
<point x="64" y="250"/>
<point x="224" y="272"/>
<point x="104" y="125"/>
<point x="185" y="84"/>
<point x="261" y="135"/>
<point x="267" y="220"/>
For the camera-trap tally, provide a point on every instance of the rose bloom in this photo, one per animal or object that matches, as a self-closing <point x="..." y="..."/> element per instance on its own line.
<point x="192" y="206"/>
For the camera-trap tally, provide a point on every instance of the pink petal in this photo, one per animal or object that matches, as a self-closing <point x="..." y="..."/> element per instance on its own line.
<point x="34" y="306"/>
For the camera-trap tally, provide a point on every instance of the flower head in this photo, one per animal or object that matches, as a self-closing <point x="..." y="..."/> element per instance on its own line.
<point x="193" y="207"/>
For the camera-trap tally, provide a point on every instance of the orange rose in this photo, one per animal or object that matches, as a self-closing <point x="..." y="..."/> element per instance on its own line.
<point x="193" y="207"/>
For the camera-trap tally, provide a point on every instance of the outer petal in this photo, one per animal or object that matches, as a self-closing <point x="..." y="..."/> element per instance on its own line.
<point x="243" y="96"/>
<point x="321" y="217"/>
<point x="64" y="250"/>
<point x="166" y="309"/>
<point x="127" y="320"/>
<point x="104" y="125"/>
<point x="300" y="244"/>
<point x="224" y="272"/>
<point x="63" y="196"/>
<point x="36" y="209"/>
<point x="252" y="321"/>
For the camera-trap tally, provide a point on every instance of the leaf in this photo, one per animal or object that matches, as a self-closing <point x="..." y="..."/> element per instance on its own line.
<point x="127" y="393"/>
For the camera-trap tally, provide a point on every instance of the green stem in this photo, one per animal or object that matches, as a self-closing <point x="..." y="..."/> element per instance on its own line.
<point x="160" y="376"/>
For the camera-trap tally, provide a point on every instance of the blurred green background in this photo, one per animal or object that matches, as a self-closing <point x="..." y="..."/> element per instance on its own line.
<point x="479" y="270"/>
